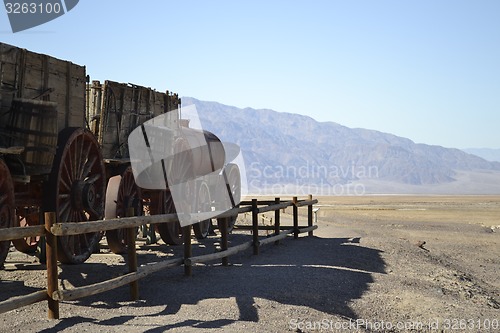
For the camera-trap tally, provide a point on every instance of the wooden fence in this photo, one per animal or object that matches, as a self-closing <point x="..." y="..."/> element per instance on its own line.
<point x="51" y="230"/>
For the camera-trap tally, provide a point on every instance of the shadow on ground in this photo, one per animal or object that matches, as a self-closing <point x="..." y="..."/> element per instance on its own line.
<point x="324" y="274"/>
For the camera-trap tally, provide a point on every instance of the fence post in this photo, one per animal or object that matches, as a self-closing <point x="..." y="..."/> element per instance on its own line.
<point x="295" y="218"/>
<point x="132" y="257"/>
<point x="277" y="220"/>
<point x="51" y="252"/>
<point x="224" y="240"/>
<point x="255" y="227"/>
<point x="310" y="215"/>
<point x="188" y="251"/>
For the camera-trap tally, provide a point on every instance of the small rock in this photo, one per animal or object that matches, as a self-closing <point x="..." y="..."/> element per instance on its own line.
<point x="421" y="244"/>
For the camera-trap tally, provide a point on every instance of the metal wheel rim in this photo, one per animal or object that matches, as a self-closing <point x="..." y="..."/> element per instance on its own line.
<point x="234" y="179"/>
<point x="78" y="174"/>
<point x="171" y="233"/>
<point x="202" y="229"/>
<point x="128" y="195"/>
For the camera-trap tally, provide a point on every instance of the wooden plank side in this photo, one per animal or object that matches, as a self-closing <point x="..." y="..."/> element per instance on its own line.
<point x="8" y="53"/>
<point x="76" y="112"/>
<point x="119" y="101"/>
<point x="32" y="76"/>
<point x="36" y="75"/>
<point x="93" y="106"/>
<point x="9" y="59"/>
<point x="8" y="72"/>
<point x="65" y="85"/>
<point x="109" y="122"/>
<point x="69" y="94"/>
<point x="126" y="107"/>
<point x="33" y="81"/>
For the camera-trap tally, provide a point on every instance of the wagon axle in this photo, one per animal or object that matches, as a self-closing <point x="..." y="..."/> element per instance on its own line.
<point x="83" y="196"/>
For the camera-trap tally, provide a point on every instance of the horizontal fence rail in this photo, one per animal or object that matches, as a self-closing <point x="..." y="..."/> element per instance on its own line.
<point x="22" y="232"/>
<point x="51" y="230"/>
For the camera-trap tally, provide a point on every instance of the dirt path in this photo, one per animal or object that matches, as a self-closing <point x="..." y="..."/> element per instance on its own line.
<point x="366" y="269"/>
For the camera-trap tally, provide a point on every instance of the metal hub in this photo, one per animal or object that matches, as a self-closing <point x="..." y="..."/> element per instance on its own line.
<point x="83" y="195"/>
<point x="89" y="196"/>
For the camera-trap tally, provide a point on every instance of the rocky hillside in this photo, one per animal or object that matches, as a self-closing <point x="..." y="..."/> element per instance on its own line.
<point x="284" y="148"/>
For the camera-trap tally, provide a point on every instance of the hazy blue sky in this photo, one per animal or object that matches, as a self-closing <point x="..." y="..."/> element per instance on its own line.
<point x="426" y="70"/>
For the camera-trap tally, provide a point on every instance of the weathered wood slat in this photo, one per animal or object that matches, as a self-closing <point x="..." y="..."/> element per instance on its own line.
<point x="21" y="232"/>
<point x="261" y="202"/>
<point x="124" y="107"/>
<point x="218" y="255"/>
<point x="264" y="227"/>
<point x="51" y="264"/>
<point x="30" y="75"/>
<point x="275" y="207"/>
<point x="272" y="239"/>
<point x="235" y="211"/>
<point x="307" y="229"/>
<point x="20" y="301"/>
<point x="76" y="228"/>
<point x="306" y="203"/>
<point x="270" y="227"/>
<point x="97" y="288"/>
<point x="11" y="150"/>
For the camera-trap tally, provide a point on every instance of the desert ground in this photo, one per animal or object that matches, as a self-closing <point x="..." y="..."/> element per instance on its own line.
<point x="375" y="264"/>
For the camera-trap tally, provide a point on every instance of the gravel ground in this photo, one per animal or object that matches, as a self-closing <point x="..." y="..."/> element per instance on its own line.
<point x="366" y="269"/>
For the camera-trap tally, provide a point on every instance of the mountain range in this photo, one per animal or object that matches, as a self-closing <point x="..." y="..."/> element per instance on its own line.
<point x="488" y="154"/>
<point x="294" y="153"/>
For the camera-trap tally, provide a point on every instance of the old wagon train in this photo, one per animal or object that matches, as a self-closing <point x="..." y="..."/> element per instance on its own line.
<point x="63" y="148"/>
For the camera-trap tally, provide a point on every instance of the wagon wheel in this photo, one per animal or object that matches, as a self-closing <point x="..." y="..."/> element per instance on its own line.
<point x="121" y="194"/>
<point x="182" y="169"/>
<point x="27" y="216"/>
<point x="202" y="229"/>
<point x="7" y="216"/>
<point x="170" y="232"/>
<point x="234" y="183"/>
<point x="76" y="191"/>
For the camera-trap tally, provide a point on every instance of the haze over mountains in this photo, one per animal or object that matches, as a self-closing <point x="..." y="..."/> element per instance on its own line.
<point x="294" y="154"/>
<point x="488" y="154"/>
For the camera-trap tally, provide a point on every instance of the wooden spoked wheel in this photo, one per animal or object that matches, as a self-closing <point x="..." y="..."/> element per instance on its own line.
<point x="182" y="170"/>
<point x="27" y="216"/>
<point x="232" y="184"/>
<point x="203" y="205"/>
<point x="170" y="232"/>
<point x="121" y="195"/>
<point x="76" y="187"/>
<point x="7" y="215"/>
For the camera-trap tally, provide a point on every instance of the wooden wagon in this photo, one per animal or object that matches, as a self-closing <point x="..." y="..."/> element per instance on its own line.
<point x="63" y="139"/>
<point x="42" y="121"/>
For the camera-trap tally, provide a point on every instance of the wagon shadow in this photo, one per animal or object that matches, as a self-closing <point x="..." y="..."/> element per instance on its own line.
<point x="325" y="274"/>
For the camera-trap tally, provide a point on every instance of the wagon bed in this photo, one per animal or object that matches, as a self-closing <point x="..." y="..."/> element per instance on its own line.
<point x="62" y="138"/>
